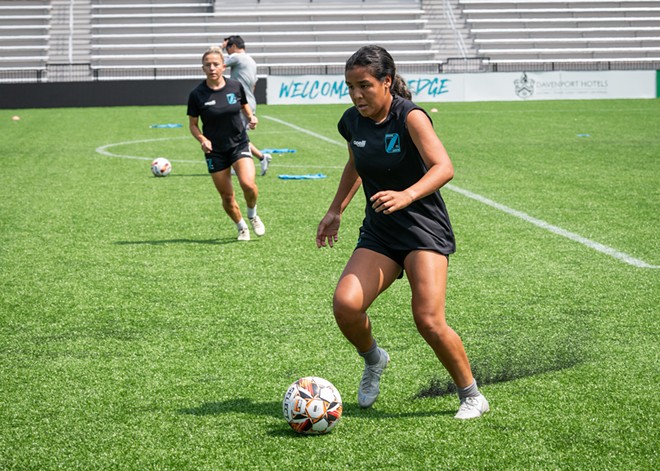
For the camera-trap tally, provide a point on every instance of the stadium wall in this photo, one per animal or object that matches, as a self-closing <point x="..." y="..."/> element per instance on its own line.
<point x="503" y="86"/>
<point x="105" y="93"/>
<point x="497" y="86"/>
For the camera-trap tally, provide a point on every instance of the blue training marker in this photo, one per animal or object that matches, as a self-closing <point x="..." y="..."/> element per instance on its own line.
<point x="309" y="176"/>
<point x="279" y="151"/>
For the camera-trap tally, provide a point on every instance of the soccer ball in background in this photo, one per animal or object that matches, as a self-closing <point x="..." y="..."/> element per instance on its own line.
<point x="161" y="167"/>
<point x="312" y="406"/>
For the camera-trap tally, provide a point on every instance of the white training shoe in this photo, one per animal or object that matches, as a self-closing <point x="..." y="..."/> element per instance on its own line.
<point x="244" y="234"/>
<point x="258" y="226"/>
<point x="472" y="407"/>
<point x="370" y="383"/>
<point x="265" y="162"/>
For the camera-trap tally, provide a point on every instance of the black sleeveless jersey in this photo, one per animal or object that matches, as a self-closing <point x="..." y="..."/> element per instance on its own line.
<point x="386" y="159"/>
<point x="220" y="111"/>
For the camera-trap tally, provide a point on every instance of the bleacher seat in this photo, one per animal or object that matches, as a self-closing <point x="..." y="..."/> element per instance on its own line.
<point x="556" y="31"/>
<point x="24" y="34"/>
<point x="277" y="34"/>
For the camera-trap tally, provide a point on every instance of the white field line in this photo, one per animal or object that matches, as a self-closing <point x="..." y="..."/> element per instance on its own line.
<point x="513" y="212"/>
<point x="103" y="150"/>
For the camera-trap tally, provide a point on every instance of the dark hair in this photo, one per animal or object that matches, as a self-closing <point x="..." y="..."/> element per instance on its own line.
<point x="380" y="64"/>
<point x="235" y="41"/>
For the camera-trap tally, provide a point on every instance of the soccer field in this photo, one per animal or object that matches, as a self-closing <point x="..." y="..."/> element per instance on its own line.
<point x="137" y="333"/>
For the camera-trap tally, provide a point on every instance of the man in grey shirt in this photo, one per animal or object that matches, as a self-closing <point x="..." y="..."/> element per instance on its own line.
<point x="244" y="69"/>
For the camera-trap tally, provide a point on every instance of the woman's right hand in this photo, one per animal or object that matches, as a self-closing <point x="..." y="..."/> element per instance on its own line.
<point x="328" y="230"/>
<point x="207" y="146"/>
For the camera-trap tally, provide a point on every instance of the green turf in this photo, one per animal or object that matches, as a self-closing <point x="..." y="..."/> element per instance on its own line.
<point x="136" y="333"/>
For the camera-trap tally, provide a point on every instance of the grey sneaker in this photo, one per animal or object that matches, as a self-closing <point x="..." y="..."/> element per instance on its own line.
<point x="265" y="162"/>
<point x="258" y="226"/>
<point x="370" y="383"/>
<point x="244" y="234"/>
<point x="472" y="407"/>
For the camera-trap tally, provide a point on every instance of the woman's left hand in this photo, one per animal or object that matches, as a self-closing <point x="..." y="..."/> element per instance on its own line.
<point x="389" y="201"/>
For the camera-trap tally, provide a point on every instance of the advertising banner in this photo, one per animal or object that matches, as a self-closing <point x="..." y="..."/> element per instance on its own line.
<point x="509" y="86"/>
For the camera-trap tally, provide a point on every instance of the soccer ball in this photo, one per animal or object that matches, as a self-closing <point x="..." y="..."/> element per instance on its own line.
<point x="312" y="406"/>
<point x="161" y="167"/>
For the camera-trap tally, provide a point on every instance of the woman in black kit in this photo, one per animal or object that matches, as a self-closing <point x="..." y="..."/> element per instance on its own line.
<point x="219" y="102"/>
<point x="394" y="153"/>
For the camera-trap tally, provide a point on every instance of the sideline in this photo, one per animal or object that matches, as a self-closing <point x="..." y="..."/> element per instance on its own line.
<point x="513" y="212"/>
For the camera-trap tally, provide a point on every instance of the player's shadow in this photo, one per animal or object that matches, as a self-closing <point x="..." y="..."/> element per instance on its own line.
<point x="174" y="175"/>
<point x="223" y="241"/>
<point x="488" y="372"/>
<point x="240" y="405"/>
<point x="244" y="405"/>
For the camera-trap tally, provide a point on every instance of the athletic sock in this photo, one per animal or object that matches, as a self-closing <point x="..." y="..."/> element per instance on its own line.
<point x="469" y="391"/>
<point x="372" y="356"/>
<point x="252" y="212"/>
<point x="241" y="225"/>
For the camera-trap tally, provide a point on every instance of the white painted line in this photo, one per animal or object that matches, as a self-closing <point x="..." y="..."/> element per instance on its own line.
<point x="306" y="131"/>
<point x="103" y="150"/>
<point x="519" y="214"/>
<point x="557" y="230"/>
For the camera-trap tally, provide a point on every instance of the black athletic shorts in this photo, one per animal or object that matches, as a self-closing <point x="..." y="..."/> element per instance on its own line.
<point x="218" y="161"/>
<point x="371" y="242"/>
<point x="366" y="241"/>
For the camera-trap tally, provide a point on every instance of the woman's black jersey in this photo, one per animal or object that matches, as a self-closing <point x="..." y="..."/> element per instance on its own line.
<point x="386" y="159"/>
<point x="220" y="111"/>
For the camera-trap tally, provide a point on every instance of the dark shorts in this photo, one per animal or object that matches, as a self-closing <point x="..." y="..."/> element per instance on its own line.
<point x="368" y="241"/>
<point x="218" y="161"/>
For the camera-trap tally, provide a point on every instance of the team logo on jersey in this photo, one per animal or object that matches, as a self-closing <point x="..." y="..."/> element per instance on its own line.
<point x="231" y="98"/>
<point x="392" y="143"/>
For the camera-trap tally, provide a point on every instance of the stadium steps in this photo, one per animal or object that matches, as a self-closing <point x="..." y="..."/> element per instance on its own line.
<point x="277" y="34"/>
<point x="556" y="31"/>
<point x="24" y="39"/>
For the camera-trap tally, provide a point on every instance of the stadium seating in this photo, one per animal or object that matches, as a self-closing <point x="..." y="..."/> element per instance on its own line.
<point x="171" y="36"/>
<point x="24" y="38"/>
<point x="136" y="39"/>
<point x="547" y="31"/>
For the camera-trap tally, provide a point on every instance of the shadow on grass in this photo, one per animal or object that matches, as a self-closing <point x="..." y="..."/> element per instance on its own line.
<point x="188" y="175"/>
<point x="519" y="363"/>
<point x="227" y="240"/>
<point x="244" y="405"/>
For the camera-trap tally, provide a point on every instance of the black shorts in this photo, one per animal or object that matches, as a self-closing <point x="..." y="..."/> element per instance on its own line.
<point x="368" y="241"/>
<point x="218" y="161"/>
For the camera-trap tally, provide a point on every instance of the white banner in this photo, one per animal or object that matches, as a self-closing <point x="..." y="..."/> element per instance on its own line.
<point x="509" y="86"/>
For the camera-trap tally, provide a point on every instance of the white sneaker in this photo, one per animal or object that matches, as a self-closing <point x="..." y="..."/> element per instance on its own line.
<point x="472" y="407"/>
<point x="258" y="226"/>
<point x="244" y="234"/>
<point x="370" y="383"/>
<point x="265" y="162"/>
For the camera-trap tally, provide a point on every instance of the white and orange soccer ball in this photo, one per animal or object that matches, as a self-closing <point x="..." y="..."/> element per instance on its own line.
<point x="161" y="167"/>
<point x="312" y="406"/>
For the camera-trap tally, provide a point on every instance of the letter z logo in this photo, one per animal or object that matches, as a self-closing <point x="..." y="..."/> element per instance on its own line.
<point x="231" y="98"/>
<point x="392" y="143"/>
